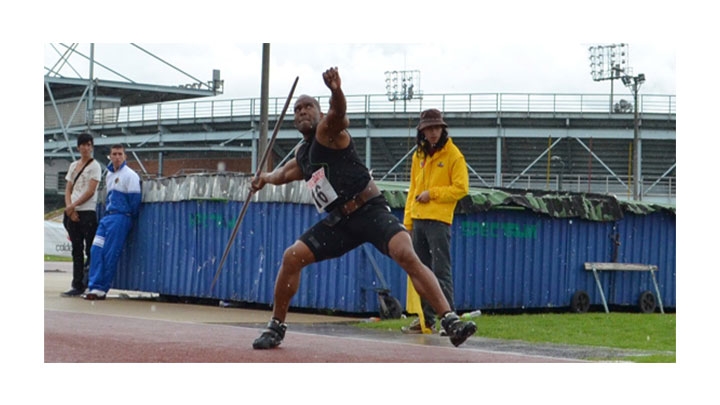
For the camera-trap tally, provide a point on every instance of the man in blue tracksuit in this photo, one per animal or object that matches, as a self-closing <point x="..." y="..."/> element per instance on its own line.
<point x="121" y="208"/>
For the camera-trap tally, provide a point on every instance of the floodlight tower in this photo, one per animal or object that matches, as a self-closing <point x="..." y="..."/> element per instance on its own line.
<point x="402" y="85"/>
<point x="609" y="62"/>
<point x="634" y="83"/>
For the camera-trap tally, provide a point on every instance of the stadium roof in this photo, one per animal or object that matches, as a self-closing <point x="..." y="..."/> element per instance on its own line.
<point x="128" y="93"/>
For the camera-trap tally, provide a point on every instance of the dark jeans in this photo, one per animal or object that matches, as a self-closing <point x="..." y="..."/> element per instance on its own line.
<point x="431" y="241"/>
<point x="81" y="237"/>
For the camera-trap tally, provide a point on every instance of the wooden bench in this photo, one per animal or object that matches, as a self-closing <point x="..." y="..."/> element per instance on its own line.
<point x="595" y="267"/>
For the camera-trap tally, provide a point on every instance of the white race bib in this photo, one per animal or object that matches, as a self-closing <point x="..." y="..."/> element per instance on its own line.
<point x="322" y="191"/>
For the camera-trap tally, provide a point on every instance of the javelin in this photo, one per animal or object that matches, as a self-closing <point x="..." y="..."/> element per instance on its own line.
<point x="251" y="192"/>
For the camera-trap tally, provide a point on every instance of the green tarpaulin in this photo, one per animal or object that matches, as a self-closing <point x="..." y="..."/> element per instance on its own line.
<point x="589" y="206"/>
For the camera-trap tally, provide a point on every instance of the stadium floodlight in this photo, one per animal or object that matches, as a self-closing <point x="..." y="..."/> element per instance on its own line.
<point x="402" y="85"/>
<point x="609" y="62"/>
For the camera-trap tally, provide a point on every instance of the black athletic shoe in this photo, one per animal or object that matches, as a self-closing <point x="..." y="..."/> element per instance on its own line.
<point x="73" y="292"/>
<point x="272" y="336"/>
<point x="458" y="330"/>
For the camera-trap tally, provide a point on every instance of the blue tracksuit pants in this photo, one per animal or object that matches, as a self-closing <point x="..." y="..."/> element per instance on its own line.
<point x="106" y="248"/>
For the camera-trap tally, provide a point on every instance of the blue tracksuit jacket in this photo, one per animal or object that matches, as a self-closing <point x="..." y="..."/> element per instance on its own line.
<point x="122" y="206"/>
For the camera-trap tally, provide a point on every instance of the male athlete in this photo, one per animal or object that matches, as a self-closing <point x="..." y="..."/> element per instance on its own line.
<point x="357" y="213"/>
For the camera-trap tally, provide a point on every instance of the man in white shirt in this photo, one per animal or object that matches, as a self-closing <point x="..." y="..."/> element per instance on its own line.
<point x="80" y="218"/>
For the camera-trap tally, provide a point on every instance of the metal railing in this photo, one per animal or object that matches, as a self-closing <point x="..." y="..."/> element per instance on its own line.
<point x="378" y="103"/>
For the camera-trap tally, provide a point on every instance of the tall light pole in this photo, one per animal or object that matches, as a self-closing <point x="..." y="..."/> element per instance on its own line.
<point x="634" y="83"/>
<point x="264" y="105"/>
<point x="609" y="62"/>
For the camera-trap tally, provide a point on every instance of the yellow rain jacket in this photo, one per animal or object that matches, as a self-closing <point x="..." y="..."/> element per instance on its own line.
<point x="445" y="175"/>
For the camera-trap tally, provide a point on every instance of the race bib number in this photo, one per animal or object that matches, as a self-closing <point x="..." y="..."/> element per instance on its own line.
<point x="322" y="191"/>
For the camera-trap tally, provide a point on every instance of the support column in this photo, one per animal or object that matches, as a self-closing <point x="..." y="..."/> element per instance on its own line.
<point x="368" y="143"/>
<point x="498" y="155"/>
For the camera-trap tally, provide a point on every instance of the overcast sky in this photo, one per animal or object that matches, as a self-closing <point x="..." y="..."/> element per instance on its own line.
<point x="444" y="66"/>
<point x="457" y="46"/>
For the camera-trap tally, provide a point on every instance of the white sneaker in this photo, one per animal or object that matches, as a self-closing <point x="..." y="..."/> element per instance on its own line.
<point x="95" y="294"/>
<point x="415" y="329"/>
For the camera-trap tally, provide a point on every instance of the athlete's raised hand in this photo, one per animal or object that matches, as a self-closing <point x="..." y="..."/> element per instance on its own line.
<point x="332" y="78"/>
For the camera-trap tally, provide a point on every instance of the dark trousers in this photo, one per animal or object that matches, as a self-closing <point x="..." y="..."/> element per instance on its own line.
<point x="431" y="241"/>
<point x="81" y="237"/>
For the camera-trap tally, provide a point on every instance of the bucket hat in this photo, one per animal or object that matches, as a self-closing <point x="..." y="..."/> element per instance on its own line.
<point x="429" y="118"/>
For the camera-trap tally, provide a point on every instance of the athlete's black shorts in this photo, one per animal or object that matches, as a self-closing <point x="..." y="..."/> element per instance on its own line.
<point x="336" y="234"/>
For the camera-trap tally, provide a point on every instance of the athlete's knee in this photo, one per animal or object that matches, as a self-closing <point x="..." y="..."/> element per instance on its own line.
<point x="297" y="256"/>
<point x="401" y="250"/>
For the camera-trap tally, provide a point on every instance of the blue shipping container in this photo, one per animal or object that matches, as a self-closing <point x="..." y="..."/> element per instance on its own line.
<point x="505" y="257"/>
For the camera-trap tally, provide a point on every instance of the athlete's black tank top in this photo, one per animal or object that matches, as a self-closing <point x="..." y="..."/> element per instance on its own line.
<point x="343" y="168"/>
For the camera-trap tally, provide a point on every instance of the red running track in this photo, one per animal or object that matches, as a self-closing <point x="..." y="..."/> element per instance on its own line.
<point x="72" y="337"/>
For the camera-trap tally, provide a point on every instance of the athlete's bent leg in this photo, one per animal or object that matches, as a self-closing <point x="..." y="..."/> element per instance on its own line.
<point x="426" y="284"/>
<point x="295" y="258"/>
<point x="401" y="250"/>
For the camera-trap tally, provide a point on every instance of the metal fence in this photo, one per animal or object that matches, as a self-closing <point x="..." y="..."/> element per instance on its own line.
<point x="378" y="103"/>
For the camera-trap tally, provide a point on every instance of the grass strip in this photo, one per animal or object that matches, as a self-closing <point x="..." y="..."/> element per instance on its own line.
<point x="654" y="333"/>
